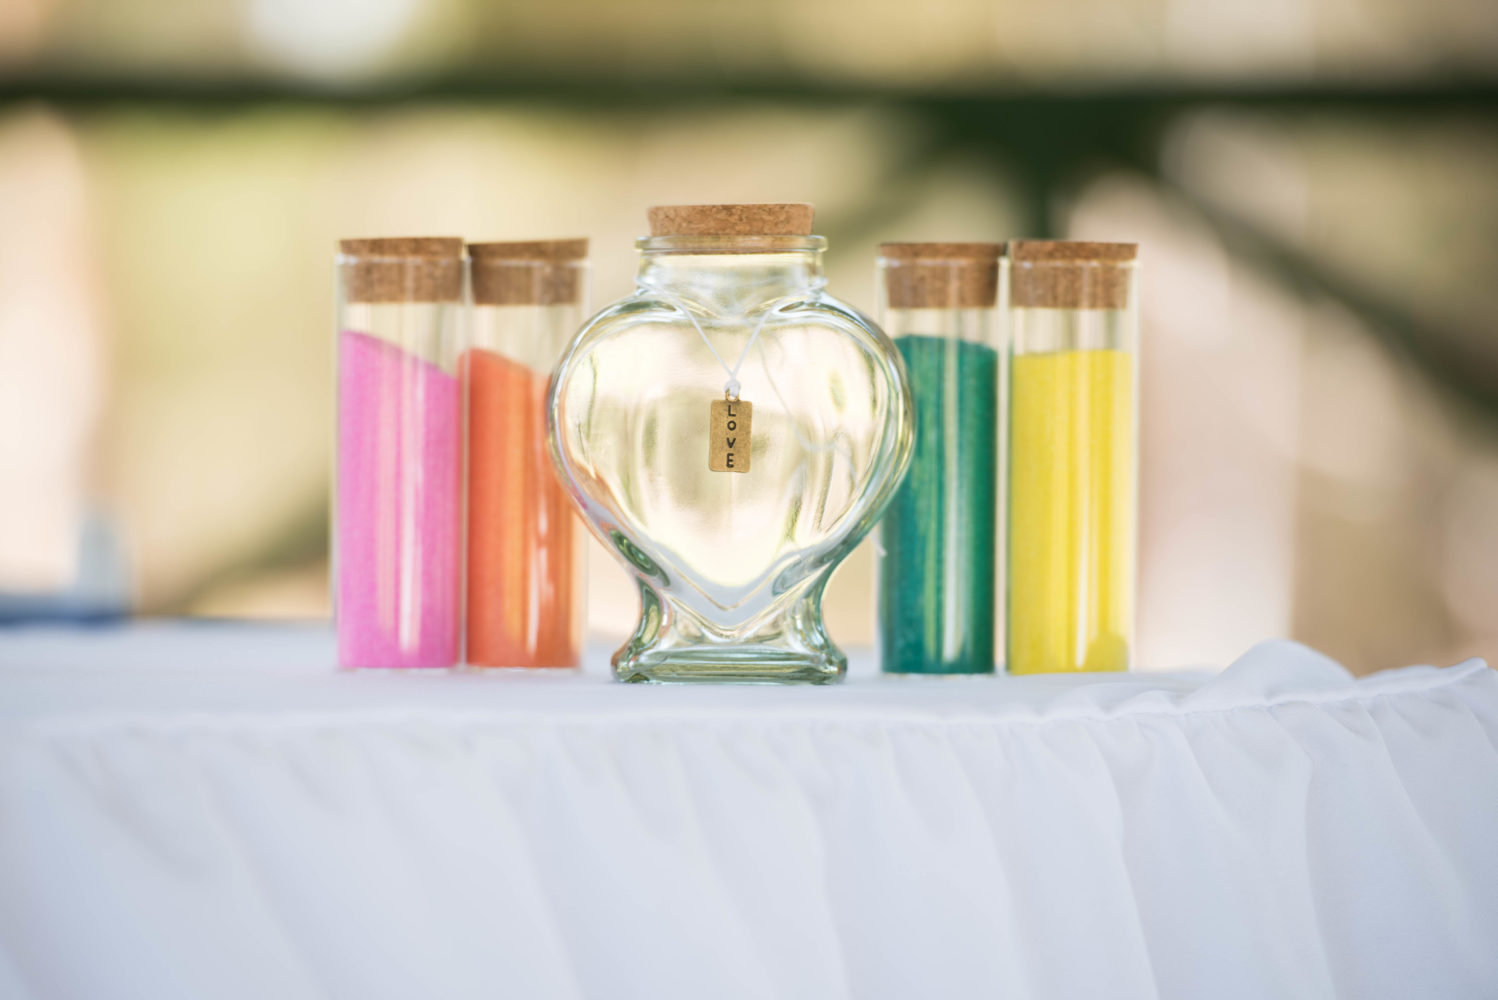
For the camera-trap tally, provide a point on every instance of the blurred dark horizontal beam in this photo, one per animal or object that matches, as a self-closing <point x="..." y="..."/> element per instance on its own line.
<point x="1044" y="136"/>
<point x="653" y="92"/>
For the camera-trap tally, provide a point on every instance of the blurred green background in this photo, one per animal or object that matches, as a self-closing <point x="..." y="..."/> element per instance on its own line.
<point x="1313" y="183"/>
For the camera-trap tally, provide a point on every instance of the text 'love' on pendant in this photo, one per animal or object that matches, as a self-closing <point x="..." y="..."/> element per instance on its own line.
<point x="728" y="435"/>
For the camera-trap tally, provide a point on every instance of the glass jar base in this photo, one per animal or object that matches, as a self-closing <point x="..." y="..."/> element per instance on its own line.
<point x="745" y="664"/>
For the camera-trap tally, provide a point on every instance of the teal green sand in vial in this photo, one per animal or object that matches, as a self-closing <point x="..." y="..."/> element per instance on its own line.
<point x="937" y="569"/>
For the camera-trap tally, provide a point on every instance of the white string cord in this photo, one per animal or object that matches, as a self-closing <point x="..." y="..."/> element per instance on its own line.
<point x="731" y="387"/>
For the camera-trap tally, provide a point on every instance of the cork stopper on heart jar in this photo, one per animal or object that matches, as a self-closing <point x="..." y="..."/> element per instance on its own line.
<point x="785" y="219"/>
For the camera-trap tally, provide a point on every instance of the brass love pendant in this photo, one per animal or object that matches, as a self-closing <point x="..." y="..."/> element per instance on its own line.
<point x="728" y="435"/>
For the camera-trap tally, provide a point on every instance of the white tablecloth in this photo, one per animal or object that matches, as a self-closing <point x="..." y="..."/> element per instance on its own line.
<point x="203" y="811"/>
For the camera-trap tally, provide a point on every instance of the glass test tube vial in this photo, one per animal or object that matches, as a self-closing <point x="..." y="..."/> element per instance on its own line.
<point x="939" y="542"/>
<point x="398" y="470"/>
<point x="1072" y="455"/>
<point x="525" y="547"/>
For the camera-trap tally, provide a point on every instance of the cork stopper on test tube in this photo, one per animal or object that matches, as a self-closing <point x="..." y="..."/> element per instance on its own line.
<point x="403" y="269"/>
<point x="1070" y="274"/>
<point x="532" y="272"/>
<point x="941" y="275"/>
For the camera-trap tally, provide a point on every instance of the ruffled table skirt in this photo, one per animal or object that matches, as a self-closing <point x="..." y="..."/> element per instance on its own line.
<point x="193" y="811"/>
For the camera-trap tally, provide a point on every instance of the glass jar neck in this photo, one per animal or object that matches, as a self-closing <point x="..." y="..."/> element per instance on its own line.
<point x="731" y="275"/>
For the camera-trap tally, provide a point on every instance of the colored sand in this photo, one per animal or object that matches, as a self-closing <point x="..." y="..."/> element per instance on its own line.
<point x="937" y="572"/>
<point x="1071" y="511"/>
<point x="398" y="508"/>
<point x="523" y="609"/>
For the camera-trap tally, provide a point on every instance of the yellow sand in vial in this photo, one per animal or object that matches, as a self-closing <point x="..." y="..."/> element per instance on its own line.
<point x="1071" y="511"/>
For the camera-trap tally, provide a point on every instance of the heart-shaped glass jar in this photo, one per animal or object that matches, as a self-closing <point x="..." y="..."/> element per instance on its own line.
<point x="729" y="309"/>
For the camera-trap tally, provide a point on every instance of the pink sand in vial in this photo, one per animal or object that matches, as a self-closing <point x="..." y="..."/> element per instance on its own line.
<point x="397" y="539"/>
